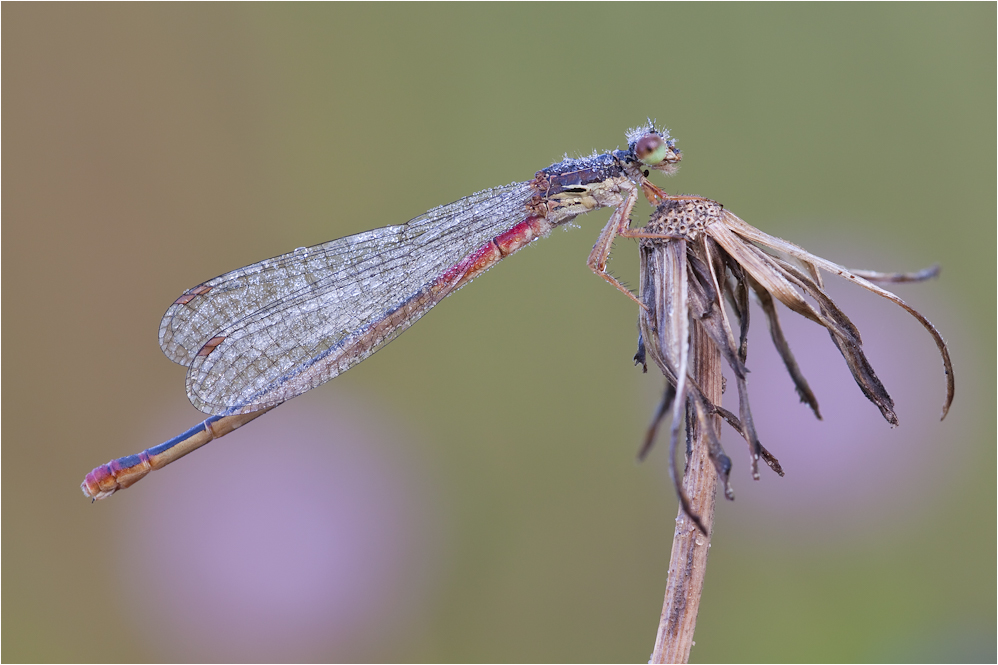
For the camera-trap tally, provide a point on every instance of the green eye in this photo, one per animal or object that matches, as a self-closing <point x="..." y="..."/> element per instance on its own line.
<point x="651" y="149"/>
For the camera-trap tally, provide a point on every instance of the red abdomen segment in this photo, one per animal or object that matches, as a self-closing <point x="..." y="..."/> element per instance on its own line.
<point x="486" y="256"/>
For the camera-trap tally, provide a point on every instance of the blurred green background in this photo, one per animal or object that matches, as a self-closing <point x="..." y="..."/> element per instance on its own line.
<point x="150" y="147"/>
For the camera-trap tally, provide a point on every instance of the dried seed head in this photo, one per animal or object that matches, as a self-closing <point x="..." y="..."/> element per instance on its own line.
<point x="684" y="218"/>
<point x="698" y="258"/>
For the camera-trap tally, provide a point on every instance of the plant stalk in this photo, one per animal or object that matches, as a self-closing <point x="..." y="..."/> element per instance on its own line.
<point x="688" y="564"/>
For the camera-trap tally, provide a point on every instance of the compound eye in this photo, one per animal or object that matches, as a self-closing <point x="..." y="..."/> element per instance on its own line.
<point x="651" y="149"/>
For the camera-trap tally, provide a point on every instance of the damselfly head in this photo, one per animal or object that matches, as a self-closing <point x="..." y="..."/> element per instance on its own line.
<point x="654" y="149"/>
<point x="657" y="150"/>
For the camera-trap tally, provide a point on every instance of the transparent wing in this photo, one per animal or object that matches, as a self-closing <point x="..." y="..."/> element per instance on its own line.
<point x="262" y="334"/>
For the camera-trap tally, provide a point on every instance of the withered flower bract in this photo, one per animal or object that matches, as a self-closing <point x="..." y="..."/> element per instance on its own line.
<point x="696" y="257"/>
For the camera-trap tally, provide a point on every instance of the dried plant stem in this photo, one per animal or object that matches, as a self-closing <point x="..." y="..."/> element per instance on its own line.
<point x="688" y="564"/>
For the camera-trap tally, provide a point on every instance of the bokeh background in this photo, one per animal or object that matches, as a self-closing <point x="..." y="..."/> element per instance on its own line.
<point x="470" y="492"/>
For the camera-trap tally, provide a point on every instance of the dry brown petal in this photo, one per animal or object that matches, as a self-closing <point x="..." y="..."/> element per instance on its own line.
<point x="853" y="353"/>
<point x="783" y="348"/>
<point x="755" y="235"/>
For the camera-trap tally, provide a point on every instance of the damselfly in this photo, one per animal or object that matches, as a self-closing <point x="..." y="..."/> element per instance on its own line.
<point x="261" y="335"/>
